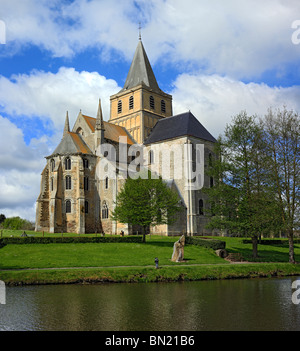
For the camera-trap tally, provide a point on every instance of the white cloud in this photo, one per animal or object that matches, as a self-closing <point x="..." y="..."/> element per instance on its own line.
<point x="46" y="96"/>
<point x="232" y="37"/>
<point x="20" y="169"/>
<point x="228" y="41"/>
<point x="49" y="95"/>
<point x="214" y="100"/>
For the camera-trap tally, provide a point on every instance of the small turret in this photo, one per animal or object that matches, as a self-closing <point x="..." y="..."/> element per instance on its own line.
<point x="99" y="128"/>
<point x="67" y="125"/>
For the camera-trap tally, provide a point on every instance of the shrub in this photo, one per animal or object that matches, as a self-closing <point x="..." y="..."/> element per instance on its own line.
<point x="69" y="240"/>
<point x="208" y="243"/>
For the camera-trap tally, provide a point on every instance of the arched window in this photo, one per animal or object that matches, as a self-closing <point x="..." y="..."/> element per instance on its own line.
<point x="80" y="131"/>
<point x="106" y="183"/>
<point x="151" y="157"/>
<point x="86" y="183"/>
<point x="68" y="206"/>
<point x="52" y="165"/>
<point x="163" y="106"/>
<point x="67" y="163"/>
<point x="104" y="210"/>
<point x="131" y="103"/>
<point x="151" y="101"/>
<point x="120" y="106"/>
<point x="201" y="206"/>
<point x="68" y="183"/>
<point x="86" y="207"/>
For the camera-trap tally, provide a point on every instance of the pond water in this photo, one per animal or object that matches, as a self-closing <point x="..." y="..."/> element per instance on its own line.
<point x="229" y="305"/>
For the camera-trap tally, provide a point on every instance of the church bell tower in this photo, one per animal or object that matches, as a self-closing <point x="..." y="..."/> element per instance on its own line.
<point x="141" y="103"/>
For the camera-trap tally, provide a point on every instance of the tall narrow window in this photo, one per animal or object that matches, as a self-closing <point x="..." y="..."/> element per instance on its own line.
<point x="52" y="165"/>
<point x="151" y="157"/>
<point x="86" y="183"/>
<point x="68" y="183"/>
<point x="120" y="106"/>
<point x="151" y="101"/>
<point x="210" y="160"/>
<point x="104" y="210"/>
<point x="163" y="106"/>
<point x="131" y="105"/>
<point x="68" y="206"/>
<point x="106" y="183"/>
<point x="85" y="163"/>
<point x="86" y="207"/>
<point x="201" y="212"/>
<point x="68" y="163"/>
<point x="52" y="184"/>
<point x="211" y="182"/>
<point x="213" y="209"/>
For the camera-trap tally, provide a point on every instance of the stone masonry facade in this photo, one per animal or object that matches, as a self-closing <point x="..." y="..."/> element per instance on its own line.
<point x="75" y="198"/>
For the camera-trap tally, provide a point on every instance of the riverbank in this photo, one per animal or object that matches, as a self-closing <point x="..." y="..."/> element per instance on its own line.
<point x="83" y="263"/>
<point x="147" y="274"/>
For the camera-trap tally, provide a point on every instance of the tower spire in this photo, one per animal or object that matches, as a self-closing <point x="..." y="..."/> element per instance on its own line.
<point x="99" y="119"/>
<point x="67" y="125"/>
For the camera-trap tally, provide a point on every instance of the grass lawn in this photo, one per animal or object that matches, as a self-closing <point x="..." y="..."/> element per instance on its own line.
<point x="108" y="257"/>
<point x="266" y="253"/>
<point x="102" y="254"/>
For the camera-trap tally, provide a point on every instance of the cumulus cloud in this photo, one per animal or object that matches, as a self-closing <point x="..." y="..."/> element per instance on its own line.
<point x="65" y="28"/>
<point x="20" y="169"/>
<point x="42" y="96"/>
<point x="15" y="154"/>
<point x="216" y="44"/>
<point x="214" y="100"/>
<point x="49" y="95"/>
<point x="232" y="37"/>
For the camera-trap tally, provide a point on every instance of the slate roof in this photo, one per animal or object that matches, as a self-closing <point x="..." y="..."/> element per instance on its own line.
<point x="72" y="143"/>
<point x="185" y="124"/>
<point x="140" y="71"/>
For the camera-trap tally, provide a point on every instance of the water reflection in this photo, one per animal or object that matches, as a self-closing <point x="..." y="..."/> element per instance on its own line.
<point x="259" y="304"/>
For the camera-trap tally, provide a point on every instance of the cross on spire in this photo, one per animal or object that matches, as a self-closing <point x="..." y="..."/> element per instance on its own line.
<point x="140" y="31"/>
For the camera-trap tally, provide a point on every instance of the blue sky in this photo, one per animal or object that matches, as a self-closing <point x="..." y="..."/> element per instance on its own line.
<point x="215" y="57"/>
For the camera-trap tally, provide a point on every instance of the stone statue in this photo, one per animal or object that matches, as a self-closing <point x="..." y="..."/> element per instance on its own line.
<point x="178" y="250"/>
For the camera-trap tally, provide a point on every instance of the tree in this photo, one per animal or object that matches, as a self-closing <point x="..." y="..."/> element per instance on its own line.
<point x="2" y="218"/>
<point x="282" y="136"/>
<point x="146" y="202"/>
<point x="17" y="223"/>
<point x="242" y="198"/>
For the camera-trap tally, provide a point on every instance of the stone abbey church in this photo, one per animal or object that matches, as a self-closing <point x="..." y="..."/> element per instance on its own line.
<point x="73" y="198"/>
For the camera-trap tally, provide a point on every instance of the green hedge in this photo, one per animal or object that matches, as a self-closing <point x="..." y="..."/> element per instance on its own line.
<point x="70" y="240"/>
<point x="208" y="243"/>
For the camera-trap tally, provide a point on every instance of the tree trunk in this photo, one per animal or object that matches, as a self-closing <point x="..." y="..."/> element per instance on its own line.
<point x="144" y="234"/>
<point x="291" y="246"/>
<point x="254" y="246"/>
